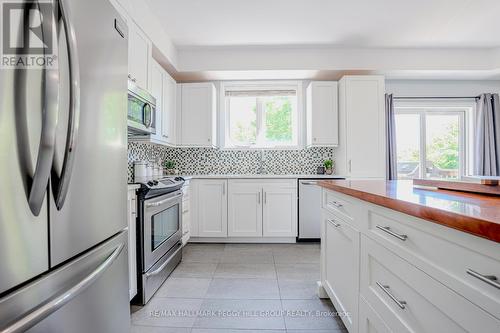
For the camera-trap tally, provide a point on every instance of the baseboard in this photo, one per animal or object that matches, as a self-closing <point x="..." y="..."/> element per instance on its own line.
<point x="255" y="240"/>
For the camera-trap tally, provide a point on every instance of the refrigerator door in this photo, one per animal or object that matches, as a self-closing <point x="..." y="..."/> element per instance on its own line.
<point x="89" y="175"/>
<point x="28" y="110"/>
<point x="89" y="294"/>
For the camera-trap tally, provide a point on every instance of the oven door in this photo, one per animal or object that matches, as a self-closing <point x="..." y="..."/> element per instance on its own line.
<point x="162" y="226"/>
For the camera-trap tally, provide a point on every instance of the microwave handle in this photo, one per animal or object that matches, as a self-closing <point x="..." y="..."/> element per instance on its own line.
<point x="147" y="115"/>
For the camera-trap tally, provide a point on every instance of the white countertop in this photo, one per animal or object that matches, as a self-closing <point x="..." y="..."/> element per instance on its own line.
<point x="262" y="176"/>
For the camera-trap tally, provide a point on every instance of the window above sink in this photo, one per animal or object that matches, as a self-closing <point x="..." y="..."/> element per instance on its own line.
<point x="258" y="115"/>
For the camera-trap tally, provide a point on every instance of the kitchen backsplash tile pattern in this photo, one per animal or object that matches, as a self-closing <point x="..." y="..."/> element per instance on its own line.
<point x="216" y="161"/>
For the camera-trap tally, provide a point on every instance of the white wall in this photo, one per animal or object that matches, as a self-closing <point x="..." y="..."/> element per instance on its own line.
<point x="431" y="88"/>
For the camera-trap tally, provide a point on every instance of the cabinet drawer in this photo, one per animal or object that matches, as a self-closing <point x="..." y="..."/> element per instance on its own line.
<point x="339" y="205"/>
<point x="411" y="301"/>
<point x="420" y="243"/>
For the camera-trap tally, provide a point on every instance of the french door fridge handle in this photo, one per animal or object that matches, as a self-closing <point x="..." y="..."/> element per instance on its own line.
<point x="50" y="100"/>
<point x="52" y="305"/>
<point x="62" y="184"/>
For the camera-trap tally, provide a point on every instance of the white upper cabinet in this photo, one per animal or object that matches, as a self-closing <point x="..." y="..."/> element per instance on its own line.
<point x="198" y="115"/>
<point x="279" y="211"/>
<point x="361" y="152"/>
<point x="156" y="89"/>
<point x="322" y="114"/>
<point x="245" y="209"/>
<point x="163" y="88"/>
<point x="139" y="55"/>
<point x="169" y="111"/>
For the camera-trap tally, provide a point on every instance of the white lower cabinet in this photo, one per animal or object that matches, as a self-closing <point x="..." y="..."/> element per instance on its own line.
<point x="132" y="261"/>
<point x="340" y="267"/>
<point x="186" y="213"/>
<point x="402" y="274"/>
<point x="211" y="212"/>
<point x="279" y="210"/>
<point x="250" y="210"/>
<point x="245" y="210"/>
<point x="411" y="301"/>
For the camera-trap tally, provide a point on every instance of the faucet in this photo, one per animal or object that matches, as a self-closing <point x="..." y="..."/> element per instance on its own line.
<point x="262" y="159"/>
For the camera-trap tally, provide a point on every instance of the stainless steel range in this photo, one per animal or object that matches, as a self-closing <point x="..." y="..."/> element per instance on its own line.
<point x="159" y="233"/>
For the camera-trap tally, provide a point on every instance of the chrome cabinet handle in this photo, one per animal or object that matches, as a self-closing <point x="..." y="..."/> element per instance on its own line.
<point x="62" y="185"/>
<point x="385" y="288"/>
<point x="63" y="298"/>
<point x="265" y="198"/>
<point x="489" y="279"/>
<point x="335" y="203"/>
<point x="159" y="269"/>
<point x="332" y="222"/>
<point x="392" y="233"/>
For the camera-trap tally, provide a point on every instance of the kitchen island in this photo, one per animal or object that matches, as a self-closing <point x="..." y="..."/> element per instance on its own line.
<point x="401" y="259"/>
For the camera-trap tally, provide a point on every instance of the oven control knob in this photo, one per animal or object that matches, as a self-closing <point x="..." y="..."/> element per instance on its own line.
<point x="150" y="183"/>
<point x="155" y="182"/>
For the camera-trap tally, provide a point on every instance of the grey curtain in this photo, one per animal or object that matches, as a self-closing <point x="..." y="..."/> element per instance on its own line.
<point x="391" y="152"/>
<point x="487" y="136"/>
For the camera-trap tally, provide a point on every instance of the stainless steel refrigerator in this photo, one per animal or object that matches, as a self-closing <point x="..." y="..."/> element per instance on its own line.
<point x="63" y="177"/>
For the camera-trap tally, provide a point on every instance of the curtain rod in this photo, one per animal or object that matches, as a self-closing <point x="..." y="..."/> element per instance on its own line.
<point x="438" y="97"/>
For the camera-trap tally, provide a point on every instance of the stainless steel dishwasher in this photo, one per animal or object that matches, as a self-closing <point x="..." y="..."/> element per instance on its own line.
<point x="310" y="208"/>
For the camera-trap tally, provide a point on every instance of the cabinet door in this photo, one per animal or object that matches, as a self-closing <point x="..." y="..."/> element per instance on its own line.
<point x="138" y="56"/>
<point x="365" y="127"/>
<point x="341" y="267"/>
<point x="198" y="114"/>
<point x="169" y="109"/>
<point x="212" y="208"/>
<point x="279" y="211"/>
<point x="322" y="114"/>
<point x="157" y="92"/>
<point x="132" y="263"/>
<point x="245" y="210"/>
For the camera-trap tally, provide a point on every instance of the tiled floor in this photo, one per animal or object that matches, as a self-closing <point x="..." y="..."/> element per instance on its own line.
<point x="241" y="288"/>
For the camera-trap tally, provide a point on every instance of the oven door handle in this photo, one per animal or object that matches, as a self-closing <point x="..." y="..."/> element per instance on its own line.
<point x="159" y="269"/>
<point x="161" y="202"/>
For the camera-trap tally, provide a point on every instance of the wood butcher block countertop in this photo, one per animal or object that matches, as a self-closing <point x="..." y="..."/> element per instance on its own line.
<point x="469" y="212"/>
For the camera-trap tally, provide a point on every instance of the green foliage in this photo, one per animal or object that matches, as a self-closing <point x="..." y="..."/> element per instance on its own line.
<point x="169" y="164"/>
<point x="328" y="164"/>
<point x="247" y="134"/>
<point x="278" y="119"/>
<point x="443" y="150"/>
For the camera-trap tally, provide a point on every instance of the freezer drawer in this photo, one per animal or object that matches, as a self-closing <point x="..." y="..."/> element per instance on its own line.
<point x="88" y="294"/>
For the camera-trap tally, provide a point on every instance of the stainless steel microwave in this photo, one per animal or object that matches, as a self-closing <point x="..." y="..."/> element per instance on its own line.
<point x="141" y="111"/>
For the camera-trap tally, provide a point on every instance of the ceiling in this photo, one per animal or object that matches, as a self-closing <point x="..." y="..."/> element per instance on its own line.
<point x="339" y="23"/>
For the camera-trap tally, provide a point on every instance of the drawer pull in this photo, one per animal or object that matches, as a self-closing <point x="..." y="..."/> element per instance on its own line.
<point x="335" y="224"/>
<point x="392" y="233"/>
<point x="401" y="304"/>
<point x="489" y="279"/>
<point x="335" y="203"/>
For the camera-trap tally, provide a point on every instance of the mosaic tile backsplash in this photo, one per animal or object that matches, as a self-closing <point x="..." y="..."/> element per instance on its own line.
<point x="203" y="161"/>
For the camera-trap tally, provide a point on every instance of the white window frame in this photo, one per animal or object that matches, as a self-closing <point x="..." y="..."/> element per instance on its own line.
<point x="259" y="85"/>
<point x="464" y="108"/>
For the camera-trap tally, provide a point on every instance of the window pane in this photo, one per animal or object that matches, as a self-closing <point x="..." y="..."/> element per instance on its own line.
<point x="279" y="113"/>
<point x="442" y="146"/>
<point x="243" y="120"/>
<point x="408" y="145"/>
